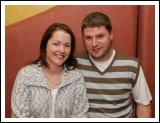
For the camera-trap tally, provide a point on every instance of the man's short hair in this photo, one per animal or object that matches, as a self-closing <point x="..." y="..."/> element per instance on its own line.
<point x="96" y="19"/>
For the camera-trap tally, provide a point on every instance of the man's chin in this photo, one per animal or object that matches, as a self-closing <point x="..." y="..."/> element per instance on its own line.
<point x="96" y="57"/>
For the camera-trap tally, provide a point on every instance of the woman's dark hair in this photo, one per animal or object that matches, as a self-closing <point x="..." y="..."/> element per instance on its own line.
<point x="71" y="62"/>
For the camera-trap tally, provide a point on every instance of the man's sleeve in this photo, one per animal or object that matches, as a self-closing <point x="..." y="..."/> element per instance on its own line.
<point x="140" y="91"/>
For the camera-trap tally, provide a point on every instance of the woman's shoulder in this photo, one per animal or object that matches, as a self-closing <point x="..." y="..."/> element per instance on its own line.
<point x="73" y="75"/>
<point x="29" y="69"/>
<point x="75" y="72"/>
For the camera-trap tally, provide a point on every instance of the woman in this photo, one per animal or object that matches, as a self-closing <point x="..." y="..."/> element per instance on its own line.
<point x="51" y="86"/>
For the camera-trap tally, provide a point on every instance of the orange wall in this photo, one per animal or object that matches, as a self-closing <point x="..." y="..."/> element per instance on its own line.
<point x="146" y="45"/>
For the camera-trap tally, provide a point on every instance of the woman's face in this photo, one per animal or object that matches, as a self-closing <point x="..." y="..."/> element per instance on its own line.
<point x="58" y="48"/>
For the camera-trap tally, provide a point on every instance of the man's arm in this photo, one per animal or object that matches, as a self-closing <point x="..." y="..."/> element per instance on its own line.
<point x="143" y="111"/>
<point x="142" y="96"/>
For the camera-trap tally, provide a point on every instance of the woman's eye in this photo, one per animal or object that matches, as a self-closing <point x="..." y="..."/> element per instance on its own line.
<point x="56" y="44"/>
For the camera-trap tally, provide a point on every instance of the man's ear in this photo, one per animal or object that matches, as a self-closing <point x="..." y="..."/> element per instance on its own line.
<point x="111" y="34"/>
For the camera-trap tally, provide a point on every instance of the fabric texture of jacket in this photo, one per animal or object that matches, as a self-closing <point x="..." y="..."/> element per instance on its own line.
<point x="31" y="96"/>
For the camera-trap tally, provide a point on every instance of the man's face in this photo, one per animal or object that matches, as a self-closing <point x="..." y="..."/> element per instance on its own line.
<point x="97" y="41"/>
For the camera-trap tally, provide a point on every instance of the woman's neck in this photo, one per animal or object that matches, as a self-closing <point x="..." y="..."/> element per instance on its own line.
<point x="54" y="70"/>
<point x="53" y="75"/>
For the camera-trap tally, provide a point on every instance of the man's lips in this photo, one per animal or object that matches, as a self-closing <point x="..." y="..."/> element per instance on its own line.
<point x="96" y="50"/>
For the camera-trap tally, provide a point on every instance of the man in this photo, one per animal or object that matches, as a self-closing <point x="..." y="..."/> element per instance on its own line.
<point x="116" y="86"/>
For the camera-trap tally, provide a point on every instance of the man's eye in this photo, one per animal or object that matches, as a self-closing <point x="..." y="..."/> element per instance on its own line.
<point x="67" y="45"/>
<point x="88" y="38"/>
<point x="100" y="36"/>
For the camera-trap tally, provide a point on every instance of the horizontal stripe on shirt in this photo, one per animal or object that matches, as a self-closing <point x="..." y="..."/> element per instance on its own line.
<point x="126" y="113"/>
<point x="109" y="106"/>
<point x="108" y="80"/>
<point x="108" y="97"/>
<point x="107" y="92"/>
<point x="112" y="113"/>
<point x="109" y="86"/>
<point x="109" y="74"/>
<point x="116" y="62"/>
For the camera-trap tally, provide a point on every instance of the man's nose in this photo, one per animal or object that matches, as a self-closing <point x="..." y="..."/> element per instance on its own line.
<point x="94" y="42"/>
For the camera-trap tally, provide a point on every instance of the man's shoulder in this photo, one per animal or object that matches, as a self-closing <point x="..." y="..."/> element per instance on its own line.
<point x="124" y="56"/>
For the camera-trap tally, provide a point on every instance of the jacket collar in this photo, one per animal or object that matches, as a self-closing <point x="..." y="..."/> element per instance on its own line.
<point x="39" y="78"/>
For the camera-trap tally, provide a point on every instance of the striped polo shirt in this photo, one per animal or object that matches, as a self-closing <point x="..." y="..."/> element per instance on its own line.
<point x="109" y="92"/>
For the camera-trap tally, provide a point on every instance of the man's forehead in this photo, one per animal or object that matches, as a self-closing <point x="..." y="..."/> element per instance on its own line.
<point x="94" y="30"/>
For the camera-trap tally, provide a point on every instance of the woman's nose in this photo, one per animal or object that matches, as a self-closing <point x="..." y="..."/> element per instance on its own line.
<point x="62" y="49"/>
